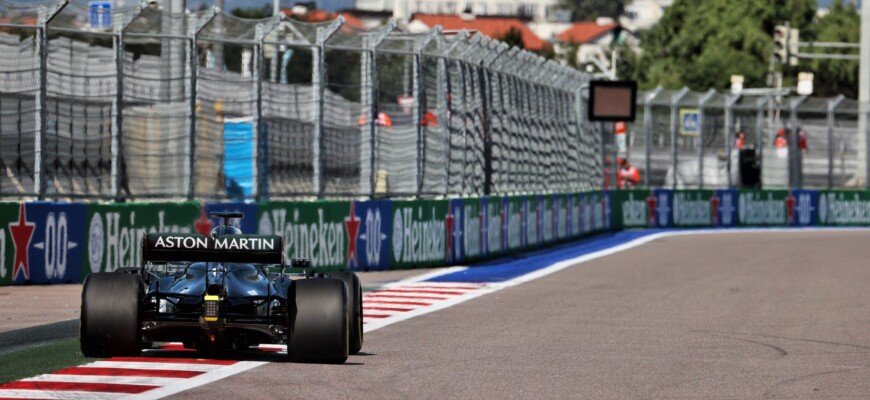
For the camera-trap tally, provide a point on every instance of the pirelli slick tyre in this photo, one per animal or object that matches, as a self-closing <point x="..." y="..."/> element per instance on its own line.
<point x="317" y="330"/>
<point x="109" y="324"/>
<point x="354" y="309"/>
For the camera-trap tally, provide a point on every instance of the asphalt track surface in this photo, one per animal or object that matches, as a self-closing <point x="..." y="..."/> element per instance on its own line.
<point x="748" y="315"/>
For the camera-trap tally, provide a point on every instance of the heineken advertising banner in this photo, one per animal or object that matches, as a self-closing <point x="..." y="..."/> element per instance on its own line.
<point x="41" y="242"/>
<point x="631" y="209"/>
<point x="725" y="203"/>
<point x="369" y="227"/>
<point x="316" y="230"/>
<point x="763" y="207"/>
<point x="419" y="233"/>
<point x="693" y="208"/>
<point x="843" y="207"/>
<point x="114" y="231"/>
<point x="44" y="242"/>
<point x="805" y="207"/>
<point x="515" y="236"/>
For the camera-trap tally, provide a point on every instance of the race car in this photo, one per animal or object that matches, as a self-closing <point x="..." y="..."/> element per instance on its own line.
<point x="219" y="293"/>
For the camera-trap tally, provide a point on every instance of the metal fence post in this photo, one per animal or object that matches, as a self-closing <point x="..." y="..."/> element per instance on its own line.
<point x="260" y="189"/>
<point x="194" y="27"/>
<point x="760" y="105"/>
<point x="370" y="69"/>
<point x="730" y="101"/>
<point x="117" y="146"/>
<point x="702" y="103"/>
<point x="832" y="108"/>
<point x="318" y="79"/>
<point x="495" y="51"/>
<point x="795" y="159"/>
<point x="418" y="94"/>
<point x="675" y="102"/>
<point x="46" y="14"/>
<point x="648" y="131"/>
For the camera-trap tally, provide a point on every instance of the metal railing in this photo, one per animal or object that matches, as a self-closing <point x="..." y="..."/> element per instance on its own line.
<point x="144" y="104"/>
<point x="669" y="155"/>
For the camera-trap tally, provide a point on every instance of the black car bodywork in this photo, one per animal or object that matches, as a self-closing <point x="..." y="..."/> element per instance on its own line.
<point x="220" y="293"/>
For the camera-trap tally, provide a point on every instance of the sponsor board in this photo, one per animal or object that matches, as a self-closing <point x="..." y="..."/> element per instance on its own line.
<point x="632" y="209"/>
<point x="472" y="228"/>
<point x="315" y="230"/>
<point x="115" y="231"/>
<point x="804" y="211"/>
<point x="455" y="228"/>
<point x="534" y="221"/>
<point x="764" y="207"/>
<point x="515" y="234"/>
<point x="660" y="207"/>
<point x="419" y="236"/>
<point x="725" y="204"/>
<point x="41" y="242"/>
<point x="369" y="226"/>
<point x="693" y="208"/>
<point x="843" y="207"/>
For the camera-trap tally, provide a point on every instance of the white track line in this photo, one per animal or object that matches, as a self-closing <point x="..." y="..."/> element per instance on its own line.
<point x="155" y="365"/>
<point x="203" y="379"/>
<point x="58" y="394"/>
<point x="123" y="380"/>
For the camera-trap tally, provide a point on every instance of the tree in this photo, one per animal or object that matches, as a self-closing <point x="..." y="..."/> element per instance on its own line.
<point x="832" y="77"/>
<point x="589" y="10"/>
<point x="701" y="43"/>
<point x="513" y="37"/>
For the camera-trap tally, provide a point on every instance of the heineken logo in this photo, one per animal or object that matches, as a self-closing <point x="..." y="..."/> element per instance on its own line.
<point x="420" y="235"/>
<point x="691" y="209"/>
<point x="804" y="209"/>
<point x="321" y="241"/>
<point x="471" y="220"/>
<point x="844" y="209"/>
<point x="115" y="238"/>
<point x="634" y="211"/>
<point x="761" y="208"/>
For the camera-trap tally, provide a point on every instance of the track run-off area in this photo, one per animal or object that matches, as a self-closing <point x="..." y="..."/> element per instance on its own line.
<point x="730" y="314"/>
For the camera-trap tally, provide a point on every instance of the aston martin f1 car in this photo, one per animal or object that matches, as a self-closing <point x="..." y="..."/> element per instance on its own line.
<point x="219" y="293"/>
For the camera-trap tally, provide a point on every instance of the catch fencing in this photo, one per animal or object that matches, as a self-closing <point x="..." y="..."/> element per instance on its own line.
<point x="686" y="139"/>
<point x="135" y="103"/>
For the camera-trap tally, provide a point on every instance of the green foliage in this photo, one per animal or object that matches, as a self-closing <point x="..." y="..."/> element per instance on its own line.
<point x="253" y="12"/>
<point x="701" y="43"/>
<point x="832" y="77"/>
<point x="513" y="37"/>
<point x="588" y="10"/>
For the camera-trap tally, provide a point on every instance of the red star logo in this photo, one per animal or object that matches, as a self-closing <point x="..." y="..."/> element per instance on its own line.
<point x="21" y="235"/>
<point x="789" y="206"/>
<point x="448" y="224"/>
<point x="203" y="225"/>
<point x="651" y="205"/>
<point x="352" y="225"/>
<point x="714" y="206"/>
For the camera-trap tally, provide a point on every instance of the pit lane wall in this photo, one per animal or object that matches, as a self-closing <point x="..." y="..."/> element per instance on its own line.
<point x="46" y="242"/>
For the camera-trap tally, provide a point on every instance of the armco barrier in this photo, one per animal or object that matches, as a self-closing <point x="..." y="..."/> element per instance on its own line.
<point x="43" y="242"/>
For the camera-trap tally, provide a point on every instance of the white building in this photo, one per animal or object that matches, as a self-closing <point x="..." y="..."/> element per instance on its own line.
<point x="537" y="10"/>
<point x="643" y="14"/>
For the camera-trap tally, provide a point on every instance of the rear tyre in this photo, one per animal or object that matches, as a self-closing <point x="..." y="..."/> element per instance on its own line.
<point x="109" y="324"/>
<point x="354" y="309"/>
<point x="317" y="330"/>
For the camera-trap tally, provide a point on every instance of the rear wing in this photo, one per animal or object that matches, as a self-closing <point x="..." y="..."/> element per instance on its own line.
<point x="259" y="249"/>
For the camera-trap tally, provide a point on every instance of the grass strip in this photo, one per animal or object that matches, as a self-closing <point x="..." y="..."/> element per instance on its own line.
<point x="41" y="360"/>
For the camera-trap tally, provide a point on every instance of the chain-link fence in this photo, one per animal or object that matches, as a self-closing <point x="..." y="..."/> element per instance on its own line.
<point x="688" y="139"/>
<point x="135" y="103"/>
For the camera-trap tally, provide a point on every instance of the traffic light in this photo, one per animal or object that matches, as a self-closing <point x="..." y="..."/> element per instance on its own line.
<point x="780" y="44"/>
